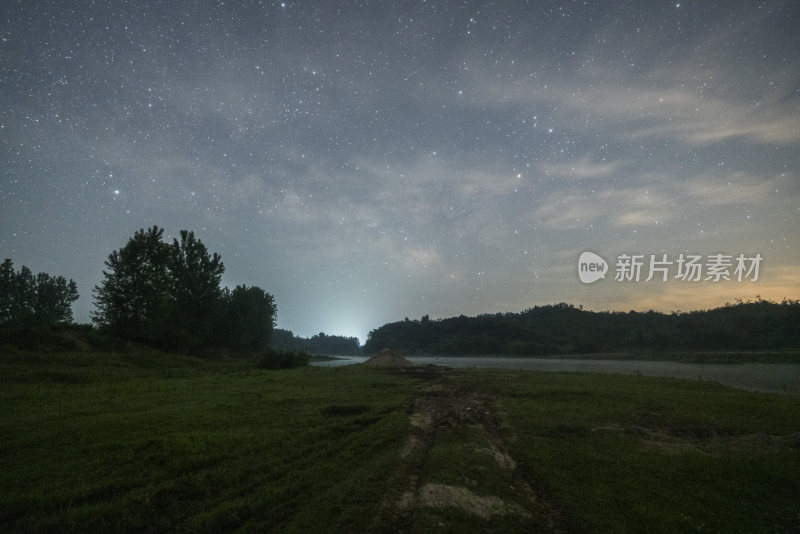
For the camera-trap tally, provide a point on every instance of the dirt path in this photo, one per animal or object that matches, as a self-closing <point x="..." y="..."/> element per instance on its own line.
<point x="440" y="406"/>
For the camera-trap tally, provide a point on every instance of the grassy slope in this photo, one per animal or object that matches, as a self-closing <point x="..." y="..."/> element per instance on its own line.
<point x="150" y="442"/>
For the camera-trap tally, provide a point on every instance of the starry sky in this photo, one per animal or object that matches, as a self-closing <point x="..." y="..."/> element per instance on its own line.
<point x="370" y="161"/>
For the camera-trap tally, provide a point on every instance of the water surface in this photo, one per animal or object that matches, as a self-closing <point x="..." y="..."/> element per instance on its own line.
<point x="765" y="377"/>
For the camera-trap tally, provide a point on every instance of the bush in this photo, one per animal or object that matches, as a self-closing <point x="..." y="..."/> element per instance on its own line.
<point x="34" y="338"/>
<point x="282" y="359"/>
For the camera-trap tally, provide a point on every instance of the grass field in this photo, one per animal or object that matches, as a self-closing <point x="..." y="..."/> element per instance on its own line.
<point x="144" y="441"/>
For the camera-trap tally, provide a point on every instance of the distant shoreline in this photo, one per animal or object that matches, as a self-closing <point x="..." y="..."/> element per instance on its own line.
<point x="324" y="358"/>
<point x="718" y="357"/>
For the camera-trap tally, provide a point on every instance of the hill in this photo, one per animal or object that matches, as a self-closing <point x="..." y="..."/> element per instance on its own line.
<point x="564" y="329"/>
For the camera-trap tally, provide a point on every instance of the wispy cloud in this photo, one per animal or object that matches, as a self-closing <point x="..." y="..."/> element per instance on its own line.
<point x="737" y="189"/>
<point x="656" y="104"/>
<point x="583" y="167"/>
<point x="633" y="206"/>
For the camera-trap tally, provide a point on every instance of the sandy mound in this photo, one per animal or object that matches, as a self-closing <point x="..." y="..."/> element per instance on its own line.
<point x="388" y="358"/>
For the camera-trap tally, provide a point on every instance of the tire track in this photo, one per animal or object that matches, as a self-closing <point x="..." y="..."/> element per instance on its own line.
<point x="440" y="402"/>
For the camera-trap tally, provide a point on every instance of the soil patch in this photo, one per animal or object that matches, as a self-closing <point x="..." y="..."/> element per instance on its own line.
<point x="440" y="404"/>
<point x="389" y="359"/>
<point x="444" y="496"/>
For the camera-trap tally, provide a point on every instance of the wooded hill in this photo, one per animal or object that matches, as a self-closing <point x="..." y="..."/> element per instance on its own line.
<point x="563" y="329"/>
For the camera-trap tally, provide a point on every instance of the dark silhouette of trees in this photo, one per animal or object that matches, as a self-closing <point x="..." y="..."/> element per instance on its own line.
<point x="324" y="344"/>
<point x="282" y="339"/>
<point x="54" y="298"/>
<point x="564" y="329"/>
<point x="28" y="300"/>
<point x="133" y="300"/>
<point x="195" y="294"/>
<point x="250" y="317"/>
<point x="169" y="296"/>
<point x="317" y="344"/>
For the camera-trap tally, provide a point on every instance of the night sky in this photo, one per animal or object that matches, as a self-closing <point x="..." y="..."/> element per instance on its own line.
<point x="370" y="161"/>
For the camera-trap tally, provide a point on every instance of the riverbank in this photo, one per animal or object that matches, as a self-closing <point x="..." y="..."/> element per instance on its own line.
<point x="198" y="445"/>
<point x="781" y="378"/>
<point x="713" y="357"/>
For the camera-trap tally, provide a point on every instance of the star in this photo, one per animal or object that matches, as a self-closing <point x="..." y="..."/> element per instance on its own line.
<point x="311" y="143"/>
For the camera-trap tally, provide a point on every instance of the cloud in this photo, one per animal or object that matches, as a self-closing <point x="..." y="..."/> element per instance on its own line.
<point x="632" y="206"/>
<point x="639" y="111"/>
<point x="739" y="188"/>
<point x="709" y="121"/>
<point x="665" y="102"/>
<point x="583" y="167"/>
<point x="562" y="211"/>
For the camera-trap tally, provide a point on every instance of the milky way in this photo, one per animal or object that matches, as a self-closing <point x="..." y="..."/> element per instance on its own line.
<point x="366" y="162"/>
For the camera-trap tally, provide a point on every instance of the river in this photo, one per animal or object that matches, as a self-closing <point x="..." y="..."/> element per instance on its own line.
<point x="764" y="377"/>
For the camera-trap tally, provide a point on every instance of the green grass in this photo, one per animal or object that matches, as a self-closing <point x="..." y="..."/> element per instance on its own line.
<point x="193" y="446"/>
<point x="147" y="442"/>
<point x="634" y="454"/>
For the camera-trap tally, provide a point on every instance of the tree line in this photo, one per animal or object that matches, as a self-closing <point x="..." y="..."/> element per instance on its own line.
<point x="317" y="344"/>
<point x="166" y="295"/>
<point x="27" y="300"/>
<point x="564" y="329"/>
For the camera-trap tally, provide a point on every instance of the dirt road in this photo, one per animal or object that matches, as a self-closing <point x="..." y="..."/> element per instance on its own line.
<point x="456" y="468"/>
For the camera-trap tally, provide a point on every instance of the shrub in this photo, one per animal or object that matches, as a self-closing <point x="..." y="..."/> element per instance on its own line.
<point x="282" y="359"/>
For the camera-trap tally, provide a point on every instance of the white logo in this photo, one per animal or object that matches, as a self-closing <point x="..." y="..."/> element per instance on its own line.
<point x="591" y="267"/>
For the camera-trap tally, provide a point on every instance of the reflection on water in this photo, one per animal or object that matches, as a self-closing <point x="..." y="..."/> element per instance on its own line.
<point x="766" y="377"/>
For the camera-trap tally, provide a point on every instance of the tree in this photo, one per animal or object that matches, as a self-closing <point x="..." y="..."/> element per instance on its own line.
<point x="283" y="339"/>
<point x="321" y="343"/>
<point x="23" y="296"/>
<point x="563" y="328"/>
<point x="132" y="299"/>
<point x="54" y="298"/>
<point x="250" y="318"/>
<point x="7" y="290"/>
<point x="196" y="293"/>
<point x="26" y="299"/>
<point x="170" y="296"/>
